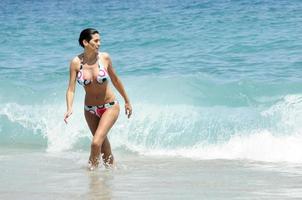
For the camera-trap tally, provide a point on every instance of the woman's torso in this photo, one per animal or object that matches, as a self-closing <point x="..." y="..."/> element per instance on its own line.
<point x="95" y="80"/>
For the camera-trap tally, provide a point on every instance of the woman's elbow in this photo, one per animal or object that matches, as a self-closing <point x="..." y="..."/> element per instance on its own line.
<point x="70" y="90"/>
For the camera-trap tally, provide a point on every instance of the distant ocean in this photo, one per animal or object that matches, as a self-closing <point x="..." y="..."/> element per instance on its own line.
<point x="216" y="88"/>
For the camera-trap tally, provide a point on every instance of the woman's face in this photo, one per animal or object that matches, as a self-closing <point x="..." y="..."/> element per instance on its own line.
<point x="94" y="44"/>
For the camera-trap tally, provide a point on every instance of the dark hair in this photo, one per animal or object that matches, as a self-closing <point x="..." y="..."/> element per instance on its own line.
<point x="86" y="34"/>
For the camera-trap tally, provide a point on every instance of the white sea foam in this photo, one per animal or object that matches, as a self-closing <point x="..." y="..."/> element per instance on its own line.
<point x="261" y="146"/>
<point x="270" y="134"/>
<point x="279" y="140"/>
<point x="48" y="121"/>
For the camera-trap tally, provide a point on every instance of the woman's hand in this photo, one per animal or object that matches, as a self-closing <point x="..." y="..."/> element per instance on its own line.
<point x="128" y="109"/>
<point x="67" y="114"/>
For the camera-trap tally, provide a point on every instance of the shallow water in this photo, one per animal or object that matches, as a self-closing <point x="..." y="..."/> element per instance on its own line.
<point x="36" y="175"/>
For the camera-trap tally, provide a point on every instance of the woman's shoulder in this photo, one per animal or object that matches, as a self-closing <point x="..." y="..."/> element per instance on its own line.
<point x="104" y="55"/>
<point x="75" y="62"/>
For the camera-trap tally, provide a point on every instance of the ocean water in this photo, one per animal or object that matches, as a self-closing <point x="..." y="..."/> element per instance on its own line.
<point x="215" y="87"/>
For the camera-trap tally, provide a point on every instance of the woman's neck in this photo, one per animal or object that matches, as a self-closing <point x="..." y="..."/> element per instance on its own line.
<point x="90" y="57"/>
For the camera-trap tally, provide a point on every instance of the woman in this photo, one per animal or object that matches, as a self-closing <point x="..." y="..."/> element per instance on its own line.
<point x="92" y="70"/>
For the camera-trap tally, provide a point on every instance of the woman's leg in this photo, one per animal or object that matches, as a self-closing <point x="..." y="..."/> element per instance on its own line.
<point x="106" y="152"/>
<point x="100" y="140"/>
<point x="93" y="122"/>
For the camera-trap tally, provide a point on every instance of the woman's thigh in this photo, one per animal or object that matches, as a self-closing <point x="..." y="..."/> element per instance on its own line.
<point x="107" y="120"/>
<point x="92" y="121"/>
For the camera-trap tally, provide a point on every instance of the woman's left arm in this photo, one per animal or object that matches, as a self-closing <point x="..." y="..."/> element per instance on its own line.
<point x="118" y="84"/>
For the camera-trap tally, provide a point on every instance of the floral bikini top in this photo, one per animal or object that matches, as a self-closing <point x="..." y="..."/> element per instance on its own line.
<point x="101" y="78"/>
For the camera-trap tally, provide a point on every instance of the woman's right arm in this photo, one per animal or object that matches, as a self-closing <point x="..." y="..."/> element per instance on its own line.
<point x="71" y="87"/>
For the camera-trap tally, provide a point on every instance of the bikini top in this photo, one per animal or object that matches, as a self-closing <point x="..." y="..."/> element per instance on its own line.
<point x="101" y="78"/>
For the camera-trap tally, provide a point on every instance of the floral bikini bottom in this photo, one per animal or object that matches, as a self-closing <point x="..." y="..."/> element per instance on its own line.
<point x="100" y="109"/>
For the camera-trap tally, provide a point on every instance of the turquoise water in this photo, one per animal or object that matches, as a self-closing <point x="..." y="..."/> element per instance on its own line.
<point x="208" y="80"/>
<point x="199" y="74"/>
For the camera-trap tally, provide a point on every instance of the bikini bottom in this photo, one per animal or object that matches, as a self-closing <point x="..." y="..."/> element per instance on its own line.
<point x="99" y="109"/>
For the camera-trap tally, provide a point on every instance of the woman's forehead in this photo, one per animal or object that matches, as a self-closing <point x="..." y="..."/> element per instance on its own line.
<point x="95" y="36"/>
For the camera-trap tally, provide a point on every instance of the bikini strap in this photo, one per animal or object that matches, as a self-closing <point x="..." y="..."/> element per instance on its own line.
<point x="100" y="62"/>
<point x="82" y="62"/>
